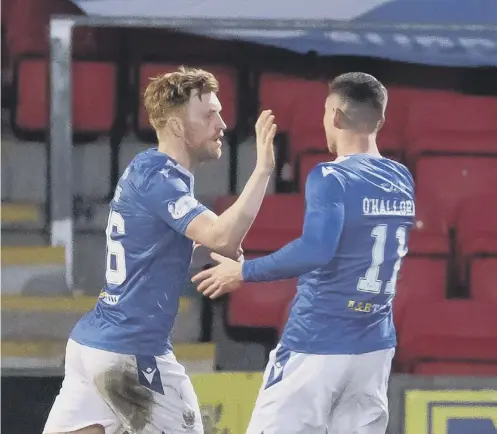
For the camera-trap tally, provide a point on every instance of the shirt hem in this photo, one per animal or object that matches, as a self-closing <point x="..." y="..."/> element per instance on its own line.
<point x="120" y="350"/>
<point x="339" y="350"/>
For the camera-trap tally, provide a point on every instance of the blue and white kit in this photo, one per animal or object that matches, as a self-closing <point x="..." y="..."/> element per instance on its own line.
<point x="331" y="367"/>
<point x="147" y="261"/>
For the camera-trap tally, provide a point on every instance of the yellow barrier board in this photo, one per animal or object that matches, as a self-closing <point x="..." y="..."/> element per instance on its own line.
<point x="451" y="412"/>
<point x="226" y="400"/>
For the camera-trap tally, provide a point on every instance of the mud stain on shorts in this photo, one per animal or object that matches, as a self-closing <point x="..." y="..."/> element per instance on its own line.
<point x="131" y="401"/>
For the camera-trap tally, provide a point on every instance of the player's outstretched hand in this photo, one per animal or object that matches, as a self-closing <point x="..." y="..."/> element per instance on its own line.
<point x="221" y="279"/>
<point x="265" y="130"/>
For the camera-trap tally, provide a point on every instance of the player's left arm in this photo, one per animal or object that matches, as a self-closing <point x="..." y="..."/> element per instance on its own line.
<point x="323" y="223"/>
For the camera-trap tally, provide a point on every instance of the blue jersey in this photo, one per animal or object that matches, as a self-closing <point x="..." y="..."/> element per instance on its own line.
<point x="359" y="210"/>
<point x="147" y="259"/>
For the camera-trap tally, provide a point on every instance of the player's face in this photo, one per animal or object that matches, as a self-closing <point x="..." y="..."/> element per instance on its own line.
<point x="329" y="119"/>
<point x="204" y="127"/>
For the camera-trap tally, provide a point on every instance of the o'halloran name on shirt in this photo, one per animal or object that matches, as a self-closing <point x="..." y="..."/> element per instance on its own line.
<point x="375" y="207"/>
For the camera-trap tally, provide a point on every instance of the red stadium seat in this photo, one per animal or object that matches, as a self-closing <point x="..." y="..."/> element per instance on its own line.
<point x="93" y="96"/>
<point x="307" y="161"/>
<point x="477" y="225"/>
<point x="420" y="280"/>
<point x="483" y="280"/>
<point x="449" y="122"/>
<point x="391" y="137"/>
<point x="452" y="331"/>
<point x="260" y="304"/>
<point x="35" y="16"/>
<point x="449" y="181"/>
<point x="430" y="233"/>
<point x="298" y="105"/>
<point x="279" y="221"/>
<point x="226" y="76"/>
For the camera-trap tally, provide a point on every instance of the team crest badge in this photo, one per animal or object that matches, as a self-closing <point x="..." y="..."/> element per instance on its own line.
<point x="188" y="419"/>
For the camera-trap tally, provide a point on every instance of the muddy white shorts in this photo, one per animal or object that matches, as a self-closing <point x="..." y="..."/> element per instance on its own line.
<point x="311" y="394"/>
<point x="124" y="393"/>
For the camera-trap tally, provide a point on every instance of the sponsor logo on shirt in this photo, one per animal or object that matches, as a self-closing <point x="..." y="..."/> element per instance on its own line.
<point x="109" y="298"/>
<point x="182" y="206"/>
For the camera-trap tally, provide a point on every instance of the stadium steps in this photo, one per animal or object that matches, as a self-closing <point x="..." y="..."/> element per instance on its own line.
<point x="30" y="354"/>
<point x="52" y="318"/>
<point x="33" y="269"/>
<point x="35" y="331"/>
<point x="22" y="215"/>
<point x="36" y="304"/>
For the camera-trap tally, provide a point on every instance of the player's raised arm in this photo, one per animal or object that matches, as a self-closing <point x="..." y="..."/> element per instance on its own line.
<point x="224" y="234"/>
<point x="323" y="224"/>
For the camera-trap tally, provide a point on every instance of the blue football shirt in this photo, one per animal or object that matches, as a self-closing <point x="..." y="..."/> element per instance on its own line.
<point x="147" y="258"/>
<point x="345" y="307"/>
<point x="359" y="210"/>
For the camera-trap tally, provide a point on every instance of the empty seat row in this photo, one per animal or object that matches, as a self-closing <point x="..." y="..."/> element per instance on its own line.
<point x="449" y="181"/>
<point x="423" y="279"/>
<point x="417" y="121"/>
<point x="470" y="126"/>
<point x="94" y="89"/>
<point x="456" y="333"/>
<point x="93" y="96"/>
<point x="439" y="121"/>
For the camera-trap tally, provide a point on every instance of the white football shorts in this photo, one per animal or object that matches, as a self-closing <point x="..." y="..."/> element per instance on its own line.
<point x="311" y="394"/>
<point x="124" y="393"/>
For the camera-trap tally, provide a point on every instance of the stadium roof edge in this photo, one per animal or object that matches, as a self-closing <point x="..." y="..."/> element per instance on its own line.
<point x="262" y="24"/>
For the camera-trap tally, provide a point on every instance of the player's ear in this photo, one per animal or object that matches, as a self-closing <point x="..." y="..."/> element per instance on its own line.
<point x="339" y="119"/>
<point x="175" y="125"/>
<point x="381" y="123"/>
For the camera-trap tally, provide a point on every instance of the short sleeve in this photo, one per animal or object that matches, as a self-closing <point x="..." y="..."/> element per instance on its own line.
<point x="170" y="198"/>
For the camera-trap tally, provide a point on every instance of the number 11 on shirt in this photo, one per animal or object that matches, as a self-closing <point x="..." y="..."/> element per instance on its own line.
<point x="370" y="282"/>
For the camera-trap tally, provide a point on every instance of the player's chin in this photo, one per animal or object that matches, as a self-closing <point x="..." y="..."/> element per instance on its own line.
<point x="216" y="151"/>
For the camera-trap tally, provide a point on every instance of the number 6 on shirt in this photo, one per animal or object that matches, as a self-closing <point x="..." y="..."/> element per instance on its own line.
<point x="116" y="275"/>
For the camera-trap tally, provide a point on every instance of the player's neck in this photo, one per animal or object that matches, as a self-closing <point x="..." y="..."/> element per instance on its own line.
<point x="357" y="144"/>
<point x="178" y="153"/>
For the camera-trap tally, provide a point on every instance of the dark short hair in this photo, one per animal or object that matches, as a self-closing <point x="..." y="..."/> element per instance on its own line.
<point x="361" y="90"/>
